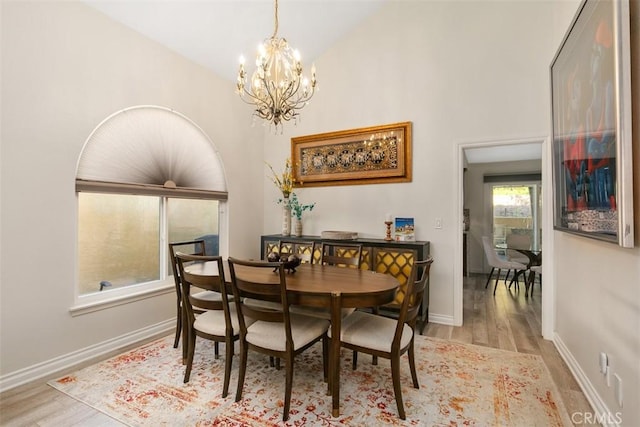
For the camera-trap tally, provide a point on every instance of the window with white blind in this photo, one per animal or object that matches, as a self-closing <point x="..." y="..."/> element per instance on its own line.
<point x="146" y="176"/>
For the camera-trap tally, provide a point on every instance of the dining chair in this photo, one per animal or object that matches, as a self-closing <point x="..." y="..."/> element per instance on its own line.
<point x="192" y="247"/>
<point x="276" y="333"/>
<point x="532" y="277"/>
<point x="305" y="251"/>
<point x="496" y="262"/>
<point x="218" y="322"/>
<point x="341" y="254"/>
<point x="390" y="338"/>
<point x="516" y="241"/>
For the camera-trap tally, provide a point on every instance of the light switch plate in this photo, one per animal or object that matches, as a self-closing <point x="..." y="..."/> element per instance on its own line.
<point x="604" y="362"/>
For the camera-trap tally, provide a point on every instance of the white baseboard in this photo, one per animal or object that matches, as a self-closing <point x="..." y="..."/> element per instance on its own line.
<point x="441" y="319"/>
<point x="49" y="367"/>
<point x="603" y="415"/>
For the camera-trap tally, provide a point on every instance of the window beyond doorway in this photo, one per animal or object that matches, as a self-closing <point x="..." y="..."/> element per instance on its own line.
<point x="516" y="210"/>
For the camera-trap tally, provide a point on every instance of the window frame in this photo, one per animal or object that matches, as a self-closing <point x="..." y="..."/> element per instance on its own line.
<point x="88" y="303"/>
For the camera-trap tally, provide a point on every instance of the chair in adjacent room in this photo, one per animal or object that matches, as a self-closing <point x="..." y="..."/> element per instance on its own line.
<point x="497" y="262"/>
<point x="218" y="322"/>
<point x="517" y="241"/>
<point x="276" y="333"/>
<point x="191" y="247"/>
<point x="533" y="270"/>
<point x="390" y="338"/>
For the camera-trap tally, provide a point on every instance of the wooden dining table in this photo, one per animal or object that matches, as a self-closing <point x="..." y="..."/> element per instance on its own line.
<point x="334" y="288"/>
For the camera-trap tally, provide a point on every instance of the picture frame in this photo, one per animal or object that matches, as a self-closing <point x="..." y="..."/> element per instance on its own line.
<point x="591" y="125"/>
<point x="369" y="155"/>
<point x="405" y="230"/>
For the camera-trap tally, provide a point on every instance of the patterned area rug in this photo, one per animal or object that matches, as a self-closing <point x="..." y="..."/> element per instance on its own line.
<point x="459" y="385"/>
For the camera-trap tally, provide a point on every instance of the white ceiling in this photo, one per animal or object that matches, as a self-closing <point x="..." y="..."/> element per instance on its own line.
<point x="214" y="33"/>
<point x="504" y="153"/>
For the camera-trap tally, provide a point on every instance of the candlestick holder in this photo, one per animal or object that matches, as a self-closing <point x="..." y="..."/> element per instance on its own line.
<point x="388" y="236"/>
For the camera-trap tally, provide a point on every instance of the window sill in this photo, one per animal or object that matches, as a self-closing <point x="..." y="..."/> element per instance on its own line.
<point x="163" y="287"/>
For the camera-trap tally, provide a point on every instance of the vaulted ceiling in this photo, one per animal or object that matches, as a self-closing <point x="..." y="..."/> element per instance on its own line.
<point x="214" y="33"/>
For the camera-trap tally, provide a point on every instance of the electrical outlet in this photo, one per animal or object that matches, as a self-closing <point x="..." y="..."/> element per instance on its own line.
<point x="617" y="388"/>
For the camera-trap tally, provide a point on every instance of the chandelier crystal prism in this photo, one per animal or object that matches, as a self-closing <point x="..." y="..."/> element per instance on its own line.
<point x="277" y="88"/>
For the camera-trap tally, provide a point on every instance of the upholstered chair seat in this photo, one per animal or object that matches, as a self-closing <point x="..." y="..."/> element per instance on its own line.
<point x="272" y="335"/>
<point x="212" y="322"/>
<point x="372" y="331"/>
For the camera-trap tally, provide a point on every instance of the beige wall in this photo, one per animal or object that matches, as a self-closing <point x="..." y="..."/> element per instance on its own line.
<point x="460" y="71"/>
<point x="66" y="67"/>
<point x="598" y="291"/>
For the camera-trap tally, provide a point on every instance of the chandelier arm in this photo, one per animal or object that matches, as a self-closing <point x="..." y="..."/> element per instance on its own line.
<point x="275" y="30"/>
<point x="289" y="91"/>
<point x="260" y="111"/>
<point x="273" y="98"/>
<point x="253" y="96"/>
<point x="299" y="103"/>
<point x="301" y="98"/>
<point x="270" y="106"/>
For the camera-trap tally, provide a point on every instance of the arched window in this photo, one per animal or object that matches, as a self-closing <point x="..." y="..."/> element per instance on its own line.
<point x="146" y="176"/>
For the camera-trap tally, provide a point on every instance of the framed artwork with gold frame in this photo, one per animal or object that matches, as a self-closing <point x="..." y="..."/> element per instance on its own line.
<point x="370" y="155"/>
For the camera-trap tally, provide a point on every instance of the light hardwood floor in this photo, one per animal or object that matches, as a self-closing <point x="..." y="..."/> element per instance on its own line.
<point x="508" y="321"/>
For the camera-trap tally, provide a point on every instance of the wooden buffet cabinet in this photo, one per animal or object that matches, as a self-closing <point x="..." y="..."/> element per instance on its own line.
<point x="382" y="256"/>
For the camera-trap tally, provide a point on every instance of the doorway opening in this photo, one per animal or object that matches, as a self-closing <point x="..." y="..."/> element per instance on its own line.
<point x="502" y="154"/>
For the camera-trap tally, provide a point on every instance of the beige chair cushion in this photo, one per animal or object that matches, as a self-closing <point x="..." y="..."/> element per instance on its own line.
<point x="271" y="335"/>
<point x="318" y="312"/>
<point x="519" y="258"/>
<point x="212" y="322"/>
<point x="536" y="269"/>
<point x="372" y="331"/>
<point x="208" y="296"/>
<point x="263" y="304"/>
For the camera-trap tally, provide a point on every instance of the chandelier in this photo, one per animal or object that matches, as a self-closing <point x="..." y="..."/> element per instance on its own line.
<point x="277" y="87"/>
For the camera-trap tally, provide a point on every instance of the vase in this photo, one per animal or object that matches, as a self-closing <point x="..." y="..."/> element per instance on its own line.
<point x="286" y="218"/>
<point x="298" y="228"/>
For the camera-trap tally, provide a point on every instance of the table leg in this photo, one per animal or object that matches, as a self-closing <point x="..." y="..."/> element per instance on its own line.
<point x="334" y="353"/>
